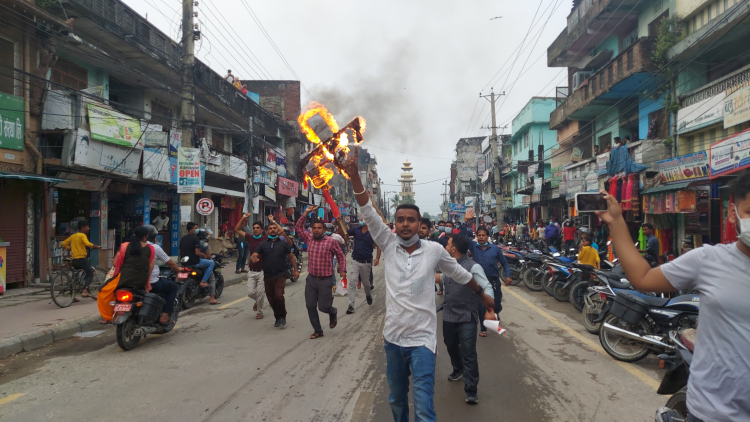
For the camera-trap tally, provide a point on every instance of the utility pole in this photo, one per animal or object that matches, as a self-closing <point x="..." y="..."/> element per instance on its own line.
<point x="496" y="163"/>
<point x="445" y="200"/>
<point x="187" y="103"/>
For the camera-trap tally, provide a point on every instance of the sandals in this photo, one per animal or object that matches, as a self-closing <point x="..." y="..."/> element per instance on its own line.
<point x="258" y="316"/>
<point x="483" y="334"/>
<point x="316" y="335"/>
<point x="334" y="321"/>
<point x="255" y="307"/>
<point x="169" y="322"/>
<point x="214" y="303"/>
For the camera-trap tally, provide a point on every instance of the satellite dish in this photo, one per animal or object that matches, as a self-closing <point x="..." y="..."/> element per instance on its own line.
<point x="487" y="219"/>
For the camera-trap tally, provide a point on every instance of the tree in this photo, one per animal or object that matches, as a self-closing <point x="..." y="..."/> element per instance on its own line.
<point x="408" y="200"/>
<point x="395" y="201"/>
<point x="428" y="216"/>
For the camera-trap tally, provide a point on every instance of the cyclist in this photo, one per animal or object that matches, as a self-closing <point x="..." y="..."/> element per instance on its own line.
<point x="164" y="286"/>
<point x="77" y="243"/>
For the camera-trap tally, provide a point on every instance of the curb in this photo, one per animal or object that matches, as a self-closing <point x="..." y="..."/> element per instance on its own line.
<point x="35" y="339"/>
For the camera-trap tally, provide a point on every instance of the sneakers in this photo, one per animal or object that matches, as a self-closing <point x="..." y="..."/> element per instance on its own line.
<point x="350" y="309"/>
<point x="455" y="376"/>
<point x="277" y="323"/>
<point x="369" y="300"/>
<point x="282" y="322"/>
<point x="472" y="398"/>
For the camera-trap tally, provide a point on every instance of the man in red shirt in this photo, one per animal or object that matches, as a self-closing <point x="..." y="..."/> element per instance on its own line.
<point x="320" y="252"/>
<point x="256" y="288"/>
<point x="569" y="236"/>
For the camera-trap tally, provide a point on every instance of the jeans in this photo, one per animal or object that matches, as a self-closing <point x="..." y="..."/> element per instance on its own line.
<point x="208" y="265"/>
<point x="569" y="244"/>
<point x="85" y="265"/>
<point x="318" y="294"/>
<point x="495" y="283"/>
<point x="419" y="362"/>
<point x="169" y="289"/>
<point x="243" y="252"/>
<point x="461" y="340"/>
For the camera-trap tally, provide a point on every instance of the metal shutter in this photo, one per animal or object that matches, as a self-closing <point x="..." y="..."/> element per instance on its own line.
<point x="13" y="230"/>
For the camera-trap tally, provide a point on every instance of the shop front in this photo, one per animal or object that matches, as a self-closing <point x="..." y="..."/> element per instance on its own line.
<point x="287" y="198"/>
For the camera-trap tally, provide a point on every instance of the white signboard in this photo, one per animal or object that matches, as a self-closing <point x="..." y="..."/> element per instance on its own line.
<point x="538" y="185"/>
<point x="469" y="201"/>
<point x="103" y="156"/>
<point x="701" y="114"/>
<point x="737" y="107"/>
<point x="156" y="164"/>
<point x="189" y="170"/>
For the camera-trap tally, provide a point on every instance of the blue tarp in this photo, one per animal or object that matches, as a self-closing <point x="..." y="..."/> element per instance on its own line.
<point x="620" y="160"/>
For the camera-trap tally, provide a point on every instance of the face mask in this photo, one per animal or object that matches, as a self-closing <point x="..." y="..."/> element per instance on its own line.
<point x="361" y="223"/>
<point x="408" y="242"/>
<point x="273" y="237"/>
<point x="483" y="244"/>
<point x="328" y="233"/>
<point x="257" y="237"/>
<point x="743" y="228"/>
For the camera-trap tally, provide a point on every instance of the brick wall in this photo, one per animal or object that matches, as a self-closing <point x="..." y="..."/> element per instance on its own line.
<point x="279" y="97"/>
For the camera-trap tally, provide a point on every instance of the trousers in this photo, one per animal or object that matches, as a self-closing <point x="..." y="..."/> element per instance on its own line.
<point x="243" y="250"/>
<point x="495" y="283"/>
<point x="208" y="266"/>
<point x="256" y="289"/>
<point x="461" y="340"/>
<point x="358" y="270"/>
<point x="419" y="362"/>
<point x="274" y="286"/>
<point x="85" y="265"/>
<point x="169" y="289"/>
<point x="318" y="296"/>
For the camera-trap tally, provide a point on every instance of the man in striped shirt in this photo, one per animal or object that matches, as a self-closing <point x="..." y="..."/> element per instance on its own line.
<point x="320" y="252"/>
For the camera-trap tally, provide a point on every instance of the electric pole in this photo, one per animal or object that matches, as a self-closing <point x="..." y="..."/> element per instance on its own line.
<point x="445" y="200"/>
<point x="496" y="162"/>
<point x="187" y="103"/>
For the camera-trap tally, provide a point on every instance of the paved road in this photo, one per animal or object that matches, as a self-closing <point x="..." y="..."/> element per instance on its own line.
<point x="221" y="364"/>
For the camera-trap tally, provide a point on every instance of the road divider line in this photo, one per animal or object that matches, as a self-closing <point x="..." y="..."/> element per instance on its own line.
<point x="10" y="398"/>
<point x="593" y="345"/>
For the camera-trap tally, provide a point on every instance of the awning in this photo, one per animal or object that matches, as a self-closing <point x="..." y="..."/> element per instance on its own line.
<point x="666" y="188"/>
<point x="223" y="191"/>
<point x="31" y="176"/>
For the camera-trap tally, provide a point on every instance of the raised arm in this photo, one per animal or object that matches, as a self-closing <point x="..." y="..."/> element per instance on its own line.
<point x="242" y="223"/>
<point x="380" y="231"/>
<point x="300" y="226"/>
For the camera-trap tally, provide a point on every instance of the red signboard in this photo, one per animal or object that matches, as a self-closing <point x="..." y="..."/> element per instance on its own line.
<point x="287" y="187"/>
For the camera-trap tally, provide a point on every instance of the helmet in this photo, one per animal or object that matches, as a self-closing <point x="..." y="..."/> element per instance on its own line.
<point x="152" y="233"/>
<point x="203" y="232"/>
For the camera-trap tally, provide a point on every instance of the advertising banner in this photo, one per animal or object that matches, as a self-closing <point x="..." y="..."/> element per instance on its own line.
<point x="737" y="107"/>
<point x="557" y="176"/>
<point x="701" y="114"/>
<point x="601" y="163"/>
<point x="689" y="167"/>
<point x="538" y="185"/>
<point x="526" y="199"/>
<point x="457" y="208"/>
<point x="175" y="141"/>
<point x="113" y="127"/>
<point x="189" y="170"/>
<point x="287" y="187"/>
<point x="104" y="157"/>
<point x="576" y="155"/>
<point x="469" y="201"/>
<point x="532" y="170"/>
<point x="11" y="122"/>
<point x="730" y="155"/>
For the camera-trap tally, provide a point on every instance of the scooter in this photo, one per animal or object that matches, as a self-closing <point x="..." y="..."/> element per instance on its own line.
<point x="137" y="313"/>
<point x="193" y="290"/>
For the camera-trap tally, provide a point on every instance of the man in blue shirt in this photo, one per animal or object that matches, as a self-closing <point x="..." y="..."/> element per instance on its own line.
<point x="489" y="256"/>
<point x="361" y="266"/>
<point x="551" y="234"/>
<point x="652" y="244"/>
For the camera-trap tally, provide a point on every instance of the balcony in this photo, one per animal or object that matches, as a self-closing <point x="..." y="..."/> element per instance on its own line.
<point x="618" y="79"/>
<point x="588" y="26"/>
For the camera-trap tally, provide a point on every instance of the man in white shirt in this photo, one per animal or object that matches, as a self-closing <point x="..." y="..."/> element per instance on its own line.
<point x="164" y="286"/>
<point x="161" y="222"/>
<point x="719" y="383"/>
<point x="410" y="330"/>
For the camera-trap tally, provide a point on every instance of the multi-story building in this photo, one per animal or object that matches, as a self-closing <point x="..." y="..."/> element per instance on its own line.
<point x="466" y="182"/>
<point x="95" y="107"/>
<point x="407" y="183"/>
<point x="530" y="146"/>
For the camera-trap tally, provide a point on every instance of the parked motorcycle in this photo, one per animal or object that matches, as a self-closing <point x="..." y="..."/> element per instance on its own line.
<point x="597" y="296"/>
<point x="193" y="291"/>
<point x="637" y="324"/>
<point x="676" y="378"/>
<point x="137" y="313"/>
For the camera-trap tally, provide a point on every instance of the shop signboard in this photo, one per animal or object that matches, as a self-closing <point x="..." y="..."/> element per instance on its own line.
<point x="574" y="186"/>
<point x="557" y="175"/>
<point x="105" y="157"/>
<point x="287" y="187"/>
<point x="156" y="164"/>
<point x="189" y="170"/>
<point x="563" y="187"/>
<point x="538" y="185"/>
<point x="690" y="167"/>
<point x="526" y="199"/>
<point x="113" y="127"/>
<point x="701" y="114"/>
<point x="271" y="158"/>
<point x="592" y="182"/>
<point x="457" y="208"/>
<point x="11" y="122"/>
<point x="175" y="141"/>
<point x="601" y="163"/>
<point x="737" y="107"/>
<point x="576" y="155"/>
<point x="730" y="155"/>
<point x="269" y="193"/>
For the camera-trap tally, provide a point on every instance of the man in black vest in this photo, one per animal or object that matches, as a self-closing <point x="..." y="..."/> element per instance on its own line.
<point x="460" y="317"/>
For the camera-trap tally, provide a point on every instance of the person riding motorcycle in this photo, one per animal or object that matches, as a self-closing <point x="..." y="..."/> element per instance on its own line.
<point x="159" y="285"/>
<point x="136" y="261"/>
<point x="203" y="234"/>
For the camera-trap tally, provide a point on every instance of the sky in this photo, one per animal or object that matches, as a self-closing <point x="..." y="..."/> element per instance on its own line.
<point x="413" y="69"/>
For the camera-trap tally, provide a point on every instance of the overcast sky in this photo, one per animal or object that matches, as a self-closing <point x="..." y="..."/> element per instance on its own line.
<point x="413" y="69"/>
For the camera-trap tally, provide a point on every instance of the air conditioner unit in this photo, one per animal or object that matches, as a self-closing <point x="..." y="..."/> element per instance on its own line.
<point x="579" y="77"/>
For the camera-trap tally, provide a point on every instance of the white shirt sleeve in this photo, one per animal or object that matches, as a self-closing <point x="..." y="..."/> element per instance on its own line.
<point x="681" y="272"/>
<point x="379" y="231"/>
<point x="160" y="254"/>
<point x="448" y="266"/>
<point x="481" y="278"/>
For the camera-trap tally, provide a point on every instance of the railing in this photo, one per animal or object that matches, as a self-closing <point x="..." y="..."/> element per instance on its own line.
<point x="727" y="82"/>
<point x="579" y="12"/>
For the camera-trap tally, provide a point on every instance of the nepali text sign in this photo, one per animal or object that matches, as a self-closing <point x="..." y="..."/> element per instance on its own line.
<point x="287" y="187"/>
<point x="731" y="154"/>
<point x="11" y="122"/>
<point x="601" y="163"/>
<point x="457" y="208"/>
<point x="737" y="107"/>
<point x="113" y="127"/>
<point x="701" y="114"/>
<point x="189" y="170"/>
<point x="689" y="167"/>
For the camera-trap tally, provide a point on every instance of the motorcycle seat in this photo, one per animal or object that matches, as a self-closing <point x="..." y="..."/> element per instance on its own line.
<point x="688" y="338"/>
<point x="585" y="267"/>
<point x="653" y="301"/>
<point x="617" y="284"/>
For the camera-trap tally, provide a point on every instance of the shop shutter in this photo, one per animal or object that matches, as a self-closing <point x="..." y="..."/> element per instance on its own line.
<point x="13" y="230"/>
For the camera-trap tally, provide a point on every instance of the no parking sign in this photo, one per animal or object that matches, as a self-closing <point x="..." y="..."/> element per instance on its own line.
<point x="204" y="206"/>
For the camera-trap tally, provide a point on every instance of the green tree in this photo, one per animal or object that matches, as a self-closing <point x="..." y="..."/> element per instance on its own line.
<point x="408" y="200"/>
<point x="428" y="216"/>
<point x="395" y="201"/>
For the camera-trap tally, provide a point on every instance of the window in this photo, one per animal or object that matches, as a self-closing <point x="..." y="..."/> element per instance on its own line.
<point x="695" y="23"/>
<point x="7" y="76"/>
<point x="69" y="75"/>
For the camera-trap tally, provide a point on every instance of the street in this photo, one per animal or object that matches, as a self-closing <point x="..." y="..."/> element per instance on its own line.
<point x="220" y="364"/>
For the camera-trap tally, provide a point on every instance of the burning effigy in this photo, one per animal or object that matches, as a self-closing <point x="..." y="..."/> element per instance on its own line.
<point x="331" y="148"/>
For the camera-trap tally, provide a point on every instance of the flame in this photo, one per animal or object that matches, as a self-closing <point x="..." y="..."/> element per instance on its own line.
<point x="344" y="142"/>
<point x="316" y="108"/>
<point x="320" y="175"/>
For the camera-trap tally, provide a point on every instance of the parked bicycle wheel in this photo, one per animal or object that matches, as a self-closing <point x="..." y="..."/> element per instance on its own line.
<point x="62" y="290"/>
<point x="100" y="277"/>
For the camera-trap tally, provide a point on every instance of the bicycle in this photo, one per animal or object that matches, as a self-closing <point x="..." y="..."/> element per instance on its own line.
<point x="69" y="281"/>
